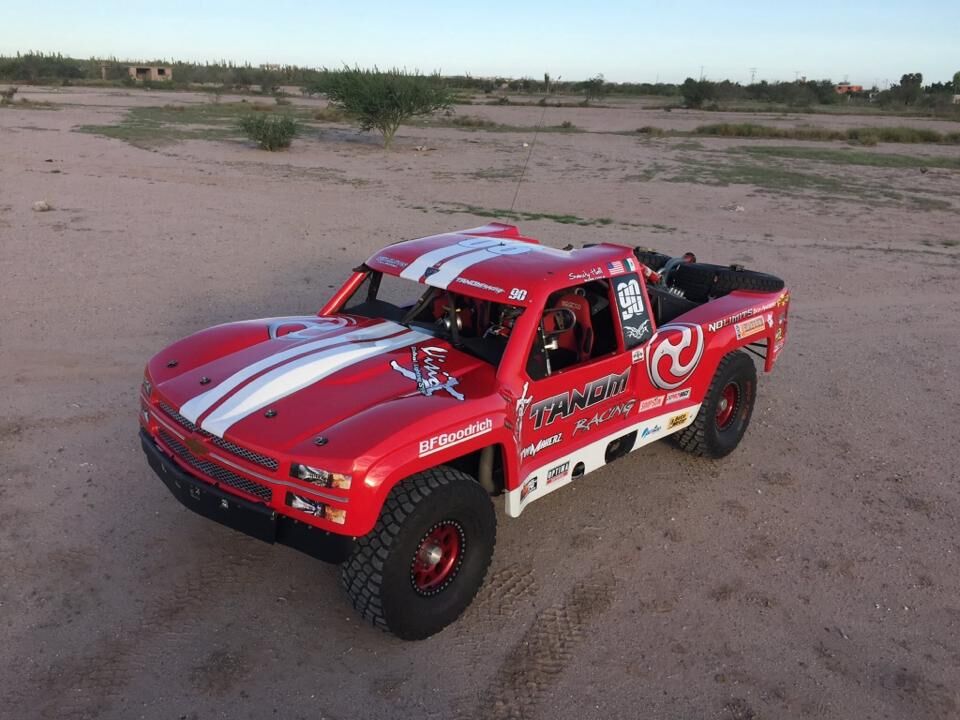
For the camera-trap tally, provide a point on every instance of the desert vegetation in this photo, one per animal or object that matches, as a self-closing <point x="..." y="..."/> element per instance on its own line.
<point x="270" y="132"/>
<point x="383" y="100"/>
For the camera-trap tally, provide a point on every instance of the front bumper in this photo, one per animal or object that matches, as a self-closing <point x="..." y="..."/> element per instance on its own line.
<point x="250" y="518"/>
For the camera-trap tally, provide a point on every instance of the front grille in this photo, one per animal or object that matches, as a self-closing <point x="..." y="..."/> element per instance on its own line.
<point x="214" y="471"/>
<point x="241" y="452"/>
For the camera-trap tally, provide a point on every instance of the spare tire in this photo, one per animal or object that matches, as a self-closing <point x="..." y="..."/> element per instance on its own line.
<point x="699" y="281"/>
<point x="651" y="258"/>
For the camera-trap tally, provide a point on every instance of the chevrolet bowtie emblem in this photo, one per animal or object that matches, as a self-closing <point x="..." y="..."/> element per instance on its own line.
<point x="196" y="447"/>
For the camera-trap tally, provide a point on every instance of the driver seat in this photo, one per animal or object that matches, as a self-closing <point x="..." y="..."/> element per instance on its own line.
<point x="579" y="338"/>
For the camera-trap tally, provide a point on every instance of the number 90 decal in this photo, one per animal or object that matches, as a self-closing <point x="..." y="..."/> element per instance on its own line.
<point x="518" y="294"/>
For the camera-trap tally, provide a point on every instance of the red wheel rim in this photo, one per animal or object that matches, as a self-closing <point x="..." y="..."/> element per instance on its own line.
<point x="727" y="407"/>
<point x="437" y="558"/>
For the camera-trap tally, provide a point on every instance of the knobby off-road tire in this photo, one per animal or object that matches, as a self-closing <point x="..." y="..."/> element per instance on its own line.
<point x="726" y="410"/>
<point x="651" y="258"/>
<point x="423" y="563"/>
<point x="699" y="281"/>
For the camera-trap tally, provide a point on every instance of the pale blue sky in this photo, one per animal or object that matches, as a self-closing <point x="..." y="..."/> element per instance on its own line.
<point x="867" y="42"/>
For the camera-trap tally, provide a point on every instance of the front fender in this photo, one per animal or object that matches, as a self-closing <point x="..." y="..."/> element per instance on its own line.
<point x="420" y="454"/>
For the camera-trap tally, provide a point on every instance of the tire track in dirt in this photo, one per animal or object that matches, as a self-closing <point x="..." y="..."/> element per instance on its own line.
<point x="88" y="686"/>
<point x="544" y="652"/>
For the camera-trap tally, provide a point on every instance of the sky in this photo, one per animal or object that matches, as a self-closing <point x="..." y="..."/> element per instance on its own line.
<point x="864" y="42"/>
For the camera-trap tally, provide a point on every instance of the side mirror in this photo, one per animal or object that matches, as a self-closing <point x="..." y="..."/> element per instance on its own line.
<point x="555" y="322"/>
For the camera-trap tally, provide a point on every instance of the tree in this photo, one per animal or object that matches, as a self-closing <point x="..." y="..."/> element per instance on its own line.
<point x="383" y="100"/>
<point x="911" y="87"/>
<point x="956" y="82"/>
<point x="594" y="88"/>
<point x="696" y="92"/>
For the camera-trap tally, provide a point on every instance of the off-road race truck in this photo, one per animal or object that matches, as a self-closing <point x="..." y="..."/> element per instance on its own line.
<point x="445" y="371"/>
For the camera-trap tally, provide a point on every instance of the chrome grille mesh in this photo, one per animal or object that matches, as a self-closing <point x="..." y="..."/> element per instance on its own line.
<point x="241" y="452"/>
<point x="214" y="471"/>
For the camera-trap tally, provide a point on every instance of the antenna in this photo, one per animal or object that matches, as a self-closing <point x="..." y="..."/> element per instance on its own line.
<point x="753" y="75"/>
<point x="525" y="162"/>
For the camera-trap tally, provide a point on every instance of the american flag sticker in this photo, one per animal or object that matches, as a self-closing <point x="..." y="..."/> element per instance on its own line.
<point x="616" y="267"/>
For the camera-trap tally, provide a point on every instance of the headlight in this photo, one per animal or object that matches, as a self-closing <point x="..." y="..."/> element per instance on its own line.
<point x="322" y="478"/>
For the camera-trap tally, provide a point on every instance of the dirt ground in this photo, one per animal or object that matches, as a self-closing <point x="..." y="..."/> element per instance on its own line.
<point x="813" y="573"/>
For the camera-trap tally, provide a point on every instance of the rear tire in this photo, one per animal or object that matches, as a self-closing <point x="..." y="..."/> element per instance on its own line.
<point x="651" y="258"/>
<point x="700" y="281"/>
<point x="726" y="410"/>
<point x="422" y="564"/>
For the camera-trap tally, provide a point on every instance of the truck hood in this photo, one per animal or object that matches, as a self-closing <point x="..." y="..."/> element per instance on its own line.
<point x="280" y="390"/>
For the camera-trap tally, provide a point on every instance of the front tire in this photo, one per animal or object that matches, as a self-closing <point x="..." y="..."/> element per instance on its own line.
<point x="425" y="560"/>
<point x="726" y="410"/>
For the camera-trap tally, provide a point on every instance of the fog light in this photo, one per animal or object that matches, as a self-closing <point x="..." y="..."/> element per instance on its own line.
<point x="317" y="509"/>
<point x="322" y="478"/>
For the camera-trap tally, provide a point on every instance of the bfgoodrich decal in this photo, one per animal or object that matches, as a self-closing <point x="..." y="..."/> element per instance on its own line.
<point x="455" y="437"/>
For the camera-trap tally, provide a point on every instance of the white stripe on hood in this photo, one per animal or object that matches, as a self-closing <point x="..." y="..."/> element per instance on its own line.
<point x="195" y="407"/>
<point x="298" y="374"/>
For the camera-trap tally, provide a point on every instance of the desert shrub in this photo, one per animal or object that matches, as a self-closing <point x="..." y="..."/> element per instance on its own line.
<point x="280" y="100"/>
<point x="567" y="125"/>
<point x="469" y="121"/>
<point x="270" y="132"/>
<point x="952" y="138"/>
<point x="330" y="114"/>
<point x="650" y="130"/>
<point x="383" y="100"/>
<point x="174" y="108"/>
<point x="6" y="96"/>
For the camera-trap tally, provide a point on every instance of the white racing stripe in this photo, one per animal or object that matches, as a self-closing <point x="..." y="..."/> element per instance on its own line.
<point x="415" y="270"/>
<point x="452" y="268"/>
<point x="296" y="375"/>
<point x="195" y="407"/>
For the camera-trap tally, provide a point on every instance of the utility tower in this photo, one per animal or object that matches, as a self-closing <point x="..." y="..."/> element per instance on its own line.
<point x="753" y="75"/>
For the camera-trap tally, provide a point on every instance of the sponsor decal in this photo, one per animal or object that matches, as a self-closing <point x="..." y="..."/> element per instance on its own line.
<point x="637" y="355"/>
<point x="518" y="294"/>
<point x="779" y="335"/>
<point x="651" y="403"/>
<point x="528" y="487"/>
<point x="783" y="299"/>
<point x="567" y="403"/>
<point x="770" y="319"/>
<point x="674" y="355"/>
<point x="532" y="449"/>
<point x="622" y="410"/>
<point x="558" y="472"/>
<point x="391" y="262"/>
<point x="650" y="430"/>
<point x="570" y="305"/>
<point x="480" y="285"/>
<point x="587" y="275"/>
<point x="778" y="347"/>
<point x="633" y="311"/>
<point x="425" y="370"/>
<point x="750" y="327"/>
<point x="455" y="437"/>
<point x="678" y="395"/>
<point x="678" y="420"/>
<point x="720" y="324"/>
<point x="522" y="403"/>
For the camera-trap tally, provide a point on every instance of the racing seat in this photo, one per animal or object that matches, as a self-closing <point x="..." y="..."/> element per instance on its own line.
<point x="577" y="341"/>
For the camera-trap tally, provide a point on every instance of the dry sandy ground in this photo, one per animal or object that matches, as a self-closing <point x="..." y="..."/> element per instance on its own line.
<point x="813" y="573"/>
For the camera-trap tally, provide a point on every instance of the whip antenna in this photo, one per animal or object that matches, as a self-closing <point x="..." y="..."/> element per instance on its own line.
<point x="527" y="161"/>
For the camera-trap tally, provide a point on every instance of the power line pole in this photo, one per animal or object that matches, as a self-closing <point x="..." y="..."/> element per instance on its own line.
<point x="701" y="72"/>
<point x="753" y="75"/>
<point x="796" y="76"/>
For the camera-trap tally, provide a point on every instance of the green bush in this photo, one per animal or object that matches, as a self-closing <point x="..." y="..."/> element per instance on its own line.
<point x="271" y="132"/>
<point x="381" y="100"/>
